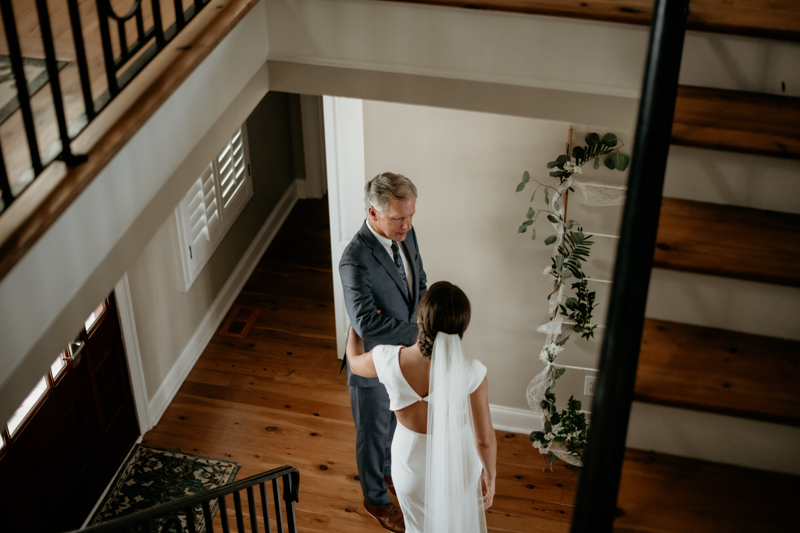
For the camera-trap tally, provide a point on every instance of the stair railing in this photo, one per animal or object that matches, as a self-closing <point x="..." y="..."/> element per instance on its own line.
<point x="120" y="68"/>
<point x="596" y="499"/>
<point x="167" y="513"/>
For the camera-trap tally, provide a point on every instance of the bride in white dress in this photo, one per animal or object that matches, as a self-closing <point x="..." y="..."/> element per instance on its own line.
<point x="444" y="451"/>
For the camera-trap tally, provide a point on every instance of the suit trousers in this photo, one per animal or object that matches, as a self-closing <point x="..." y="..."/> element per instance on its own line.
<point x="375" y="424"/>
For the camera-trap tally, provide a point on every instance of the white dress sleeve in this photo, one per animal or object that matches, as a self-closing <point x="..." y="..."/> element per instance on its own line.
<point x="380" y="356"/>
<point x="475" y="375"/>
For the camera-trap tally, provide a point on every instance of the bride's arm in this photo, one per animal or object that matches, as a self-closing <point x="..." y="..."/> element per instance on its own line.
<point x="360" y="363"/>
<point x="485" y="440"/>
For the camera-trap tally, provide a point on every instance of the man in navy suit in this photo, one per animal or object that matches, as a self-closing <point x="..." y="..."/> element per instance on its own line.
<point x="383" y="280"/>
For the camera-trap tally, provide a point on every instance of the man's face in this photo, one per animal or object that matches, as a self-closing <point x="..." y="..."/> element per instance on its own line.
<point x="395" y="222"/>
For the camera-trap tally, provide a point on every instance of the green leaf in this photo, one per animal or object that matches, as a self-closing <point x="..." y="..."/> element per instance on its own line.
<point x="555" y="419"/>
<point x="531" y="212"/>
<point x="526" y="177"/>
<point x="567" y="275"/>
<point x="617" y="161"/>
<point x="570" y="223"/>
<point x="548" y="427"/>
<point x="592" y="139"/>
<point x="596" y="163"/>
<point x="550" y="240"/>
<point x="557" y="174"/>
<point x="577" y="153"/>
<point x="520" y="186"/>
<point x="609" y="139"/>
<point x="546" y="197"/>
<point x="552" y="219"/>
<point x="533" y="234"/>
<point x="534" y="194"/>
<point x="577" y="405"/>
<point x="571" y="303"/>
<point x="557" y="204"/>
<point x="522" y="229"/>
<point x="551" y="164"/>
<point x="559" y="261"/>
<point x="527" y="223"/>
<point x="558" y="372"/>
<point x="563" y="158"/>
<point x="563" y="341"/>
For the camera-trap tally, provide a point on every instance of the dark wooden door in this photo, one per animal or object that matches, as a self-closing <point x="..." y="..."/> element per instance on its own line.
<point x="55" y="467"/>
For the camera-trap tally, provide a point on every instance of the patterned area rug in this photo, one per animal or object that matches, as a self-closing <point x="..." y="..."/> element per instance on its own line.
<point x="152" y="476"/>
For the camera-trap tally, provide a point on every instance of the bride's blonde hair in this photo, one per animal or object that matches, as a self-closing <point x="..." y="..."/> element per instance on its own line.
<point x="444" y="308"/>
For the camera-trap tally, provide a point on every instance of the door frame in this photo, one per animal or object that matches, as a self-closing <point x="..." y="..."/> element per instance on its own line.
<point x="130" y="341"/>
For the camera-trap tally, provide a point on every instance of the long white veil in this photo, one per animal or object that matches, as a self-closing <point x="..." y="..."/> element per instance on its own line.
<point x="451" y="504"/>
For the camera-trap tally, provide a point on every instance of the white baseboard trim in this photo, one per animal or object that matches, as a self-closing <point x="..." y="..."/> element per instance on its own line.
<point x="514" y="420"/>
<point x="216" y="312"/>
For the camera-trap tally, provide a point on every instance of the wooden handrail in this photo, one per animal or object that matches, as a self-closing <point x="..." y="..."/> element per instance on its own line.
<point x="35" y="211"/>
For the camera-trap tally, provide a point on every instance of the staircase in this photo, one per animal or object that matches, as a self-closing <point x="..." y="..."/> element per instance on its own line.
<point x="700" y="368"/>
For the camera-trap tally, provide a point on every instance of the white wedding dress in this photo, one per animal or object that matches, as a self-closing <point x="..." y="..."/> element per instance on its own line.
<point x="453" y="485"/>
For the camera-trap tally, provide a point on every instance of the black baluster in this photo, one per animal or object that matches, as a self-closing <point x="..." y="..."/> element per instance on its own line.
<point x="80" y="56"/>
<point x="264" y="507"/>
<point x="180" y="19"/>
<point x="237" y="503"/>
<point x="251" y="506"/>
<point x="157" y="24"/>
<point x="140" y="25"/>
<point x="276" y="497"/>
<point x="190" y="520"/>
<point x="103" y="12"/>
<point x="223" y="514"/>
<point x="5" y="187"/>
<point x="207" y="517"/>
<point x="18" y="70"/>
<point x="55" y="84"/>
<point x="290" y="485"/>
<point x="123" y="43"/>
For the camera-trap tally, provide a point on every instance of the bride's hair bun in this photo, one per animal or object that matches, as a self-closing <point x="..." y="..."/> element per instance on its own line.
<point x="444" y="308"/>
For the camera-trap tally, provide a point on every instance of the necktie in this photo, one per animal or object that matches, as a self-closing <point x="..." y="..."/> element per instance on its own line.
<point x="398" y="262"/>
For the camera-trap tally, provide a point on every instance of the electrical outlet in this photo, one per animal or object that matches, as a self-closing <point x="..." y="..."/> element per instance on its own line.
<point x="588" y="385"/>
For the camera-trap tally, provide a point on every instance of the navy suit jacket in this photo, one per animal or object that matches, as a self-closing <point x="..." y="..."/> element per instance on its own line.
<point x="371" y="281"/>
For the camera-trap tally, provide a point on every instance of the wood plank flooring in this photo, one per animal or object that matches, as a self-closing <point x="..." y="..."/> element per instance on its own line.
<point x="275" y="398"/>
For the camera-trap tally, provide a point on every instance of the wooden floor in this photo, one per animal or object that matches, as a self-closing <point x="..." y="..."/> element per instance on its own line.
<point x="274" y="398"/>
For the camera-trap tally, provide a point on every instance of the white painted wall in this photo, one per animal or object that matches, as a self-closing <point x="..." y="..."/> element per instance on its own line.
<point x="45" y="298"/>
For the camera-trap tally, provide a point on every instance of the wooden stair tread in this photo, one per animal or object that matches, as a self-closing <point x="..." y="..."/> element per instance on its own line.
<point x="737" y="121"/>
<point x="719" y="371"/>
<point x="773" y="19"/>
<point x="728" y="241"/>
<point x="664" y="493"/>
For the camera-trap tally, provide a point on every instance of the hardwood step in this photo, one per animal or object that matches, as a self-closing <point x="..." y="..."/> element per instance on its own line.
<point x="719" y="371"/>
<point x="773" y="19"/>
<point x="666" y="493"/>
<point x="728" y="241"/>
<point x="737" y="121"/>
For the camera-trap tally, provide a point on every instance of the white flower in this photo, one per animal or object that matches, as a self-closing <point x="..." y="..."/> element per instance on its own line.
<point x="572" y="168"/>
<point x="544" y="356"/>
<point x="537" y="444"/>
<point x="547" y="270"/>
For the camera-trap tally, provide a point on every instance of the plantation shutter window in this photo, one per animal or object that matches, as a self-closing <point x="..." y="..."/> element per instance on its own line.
<point x="212" y="204"/>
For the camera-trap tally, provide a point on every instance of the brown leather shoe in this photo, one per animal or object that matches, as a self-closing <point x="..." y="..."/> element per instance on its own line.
<point x="390" y="484"/>
<point x="388" y="516"/>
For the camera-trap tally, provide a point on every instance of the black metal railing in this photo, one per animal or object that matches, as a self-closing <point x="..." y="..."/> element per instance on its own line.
<point x="165" y="517"/>
<point x="135" y="46"/>
<point x="596" y="499"/>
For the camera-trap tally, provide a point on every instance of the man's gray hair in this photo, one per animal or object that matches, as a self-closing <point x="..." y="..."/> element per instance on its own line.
<point x="388" y="185"/>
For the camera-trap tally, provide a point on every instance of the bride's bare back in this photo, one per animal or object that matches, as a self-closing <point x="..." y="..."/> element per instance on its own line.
<point x="416" y="368"/>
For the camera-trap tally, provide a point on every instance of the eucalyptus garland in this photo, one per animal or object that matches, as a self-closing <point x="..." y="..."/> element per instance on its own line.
<point x="567" y="428"/>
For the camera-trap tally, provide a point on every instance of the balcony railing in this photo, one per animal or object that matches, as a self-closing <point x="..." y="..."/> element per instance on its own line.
<point x="87" y="53"/>
<point x="166" y="516"/>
